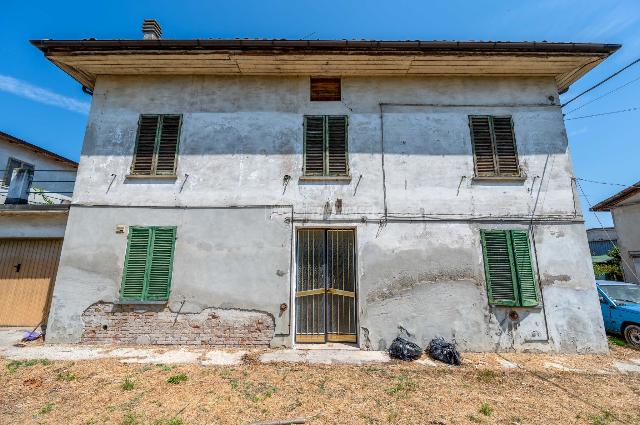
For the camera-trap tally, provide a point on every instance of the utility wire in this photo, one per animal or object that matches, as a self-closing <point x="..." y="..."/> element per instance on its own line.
<point x="604" y="95"/>
<point x="607" y="183"/>
<point x="600" y="83"/>
<point x="603" y="113"/>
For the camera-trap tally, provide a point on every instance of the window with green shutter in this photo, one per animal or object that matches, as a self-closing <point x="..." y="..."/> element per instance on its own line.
<point x="508" y="268"/>
<point x="156" y="145"/>
<point x="325" y="146"/>
<point x="494" y="146"/>
<point x="148" y="264"/>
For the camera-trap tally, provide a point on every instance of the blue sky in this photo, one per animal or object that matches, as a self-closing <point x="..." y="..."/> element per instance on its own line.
<point x="42" y="105"/>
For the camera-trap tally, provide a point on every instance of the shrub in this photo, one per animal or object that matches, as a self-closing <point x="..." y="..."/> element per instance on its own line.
<point x="176" y="379"/>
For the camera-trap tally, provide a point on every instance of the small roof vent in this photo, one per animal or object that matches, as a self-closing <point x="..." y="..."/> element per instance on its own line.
<point x="151" y="30"/>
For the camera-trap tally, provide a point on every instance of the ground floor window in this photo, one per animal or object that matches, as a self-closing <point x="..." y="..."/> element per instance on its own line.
<point x="148" y="264"/>
<point x="508" y="269"/>
<point x="326" y="286"/>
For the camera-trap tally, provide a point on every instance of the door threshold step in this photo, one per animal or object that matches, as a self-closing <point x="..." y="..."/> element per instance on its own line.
<point x="328" y="346"/>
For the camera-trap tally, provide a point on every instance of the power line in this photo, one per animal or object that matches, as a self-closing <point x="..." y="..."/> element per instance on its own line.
<point x="607" y="183"/>
<point x="600" y="97"/>
<point x="600" y="83"/>
<point x="604" y="113"/>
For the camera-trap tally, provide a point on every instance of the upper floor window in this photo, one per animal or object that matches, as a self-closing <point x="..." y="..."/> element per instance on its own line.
<point x="13" y="164"/>
<point x="325" y="145"/>
<point x="508" y="268"/>
<point x="156" y="145"/>
<point x="494" y="146"/>
<point x="325" y="89"/>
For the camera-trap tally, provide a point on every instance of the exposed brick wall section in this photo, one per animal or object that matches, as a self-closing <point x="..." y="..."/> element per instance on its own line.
<point x="106" y="323"/>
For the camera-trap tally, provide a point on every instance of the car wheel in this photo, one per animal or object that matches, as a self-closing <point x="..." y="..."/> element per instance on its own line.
<point x="632" y="335"/>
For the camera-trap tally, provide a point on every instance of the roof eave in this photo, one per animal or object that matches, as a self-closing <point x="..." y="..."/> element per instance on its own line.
<point x="586" y="55"/>
<point x="616" y="199"/>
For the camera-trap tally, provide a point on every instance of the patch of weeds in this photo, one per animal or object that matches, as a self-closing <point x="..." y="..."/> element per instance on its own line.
<point x="165" y="368"/>
<point x="604" y="418"/>
<point x="617" y="341"/>
<point x="485" y="409"/>
<point x="16" y="364"/>
<point x="234" y="384"/>
<point x="258" y="392"/>
<point x="127" y="384"/>
<point x="46" y="408"/>
<point x="66" y="376"/>
<point x="376" y="371"/>
<point x="486" y="375"/>
<point x="403" y="386"/>
<point x="176" y="379"/>
<point x="323" y="382"/>
<point x="129" y="419"/>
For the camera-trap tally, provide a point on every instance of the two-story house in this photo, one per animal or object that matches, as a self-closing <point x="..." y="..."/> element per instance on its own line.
<point x="286" y="192"/>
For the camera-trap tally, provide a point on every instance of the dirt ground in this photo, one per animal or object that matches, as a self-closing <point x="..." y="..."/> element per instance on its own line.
<point x="481" y="391"/>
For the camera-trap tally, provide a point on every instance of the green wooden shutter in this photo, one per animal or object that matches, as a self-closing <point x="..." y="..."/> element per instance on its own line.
<point x="135" y="264"/>
<point x="143" y="160"/>
<point x="499" y="271"/>
<point x="313" y="146"/>
<point x="160" y="263"/>
<point x="524" y="268"/>
<point x="337" y="164"/>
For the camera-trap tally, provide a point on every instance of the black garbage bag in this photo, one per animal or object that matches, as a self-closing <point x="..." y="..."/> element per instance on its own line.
<point x="444" y="351"/>
<point x="404" y="350"/>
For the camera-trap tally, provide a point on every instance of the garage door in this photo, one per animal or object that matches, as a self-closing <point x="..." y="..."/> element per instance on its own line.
<point x="27" y="272"/>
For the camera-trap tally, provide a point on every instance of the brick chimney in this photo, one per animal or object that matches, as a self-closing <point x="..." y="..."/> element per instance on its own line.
<point x="151" y="30"/>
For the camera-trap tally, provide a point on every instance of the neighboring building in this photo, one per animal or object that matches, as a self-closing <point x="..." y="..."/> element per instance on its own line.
<point x="601" y="240"/>
<point x="284" y="192"/>
<point x="625" y="210"/>
<point x="31" y="229"/>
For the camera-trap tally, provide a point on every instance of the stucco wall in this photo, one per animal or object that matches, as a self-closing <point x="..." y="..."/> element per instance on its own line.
<point x="626" y="217"/>
<point x="420" y="273"/>
<point x="45" y="224"/>
<point x="229" y="259"/>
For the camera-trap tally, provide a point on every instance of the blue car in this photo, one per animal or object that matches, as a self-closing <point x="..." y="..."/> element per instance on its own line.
<point x="620" y="304"/>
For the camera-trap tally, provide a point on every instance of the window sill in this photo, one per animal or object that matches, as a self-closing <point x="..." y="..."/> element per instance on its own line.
<point x="151" y="177"/>
<point x="132" y="302"/>
<point x="325" y="179"/>
<point x="519" y="179"/>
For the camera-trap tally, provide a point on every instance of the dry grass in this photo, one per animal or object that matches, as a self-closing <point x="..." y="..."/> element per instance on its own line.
<point x="480" y="391"/>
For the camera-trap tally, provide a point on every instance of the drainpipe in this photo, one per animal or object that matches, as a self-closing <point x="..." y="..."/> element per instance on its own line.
<point x="384" y="179"/>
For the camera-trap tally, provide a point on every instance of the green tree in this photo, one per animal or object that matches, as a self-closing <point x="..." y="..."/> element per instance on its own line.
<point x="612" y="268"/>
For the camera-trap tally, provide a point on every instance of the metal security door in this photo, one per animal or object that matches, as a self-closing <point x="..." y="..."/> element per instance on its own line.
<point x="325" y="288"/>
